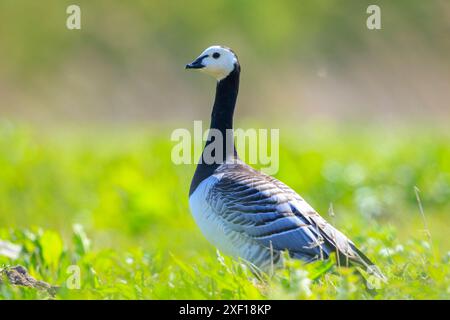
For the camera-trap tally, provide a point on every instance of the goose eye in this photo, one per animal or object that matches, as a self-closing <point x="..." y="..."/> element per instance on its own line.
<point x="216" y="55"/>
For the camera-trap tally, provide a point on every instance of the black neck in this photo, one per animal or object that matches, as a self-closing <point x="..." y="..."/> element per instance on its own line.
<point x="225" y="101"/>
<point x="221" y="120"/>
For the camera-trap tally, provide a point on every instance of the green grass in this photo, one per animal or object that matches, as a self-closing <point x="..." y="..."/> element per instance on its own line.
<point x="111" y="202"/>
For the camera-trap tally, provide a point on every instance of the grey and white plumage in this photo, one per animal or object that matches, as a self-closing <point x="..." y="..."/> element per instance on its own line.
<point x="248" y="214"/>
<point x="251" y="215"/>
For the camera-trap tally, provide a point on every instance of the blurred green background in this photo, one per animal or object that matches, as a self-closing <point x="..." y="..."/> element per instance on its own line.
<point x="86" y="117"/>
<point x="306" y="58"/>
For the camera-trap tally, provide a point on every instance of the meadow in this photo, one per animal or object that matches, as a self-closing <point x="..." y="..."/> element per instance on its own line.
<point x="110" y="201"/>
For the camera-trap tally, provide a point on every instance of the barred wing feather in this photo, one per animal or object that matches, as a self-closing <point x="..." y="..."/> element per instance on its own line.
<point x="264" y="210"/>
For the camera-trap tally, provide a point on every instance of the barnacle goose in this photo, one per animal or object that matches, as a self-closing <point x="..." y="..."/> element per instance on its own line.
<point x="246" y="213"/>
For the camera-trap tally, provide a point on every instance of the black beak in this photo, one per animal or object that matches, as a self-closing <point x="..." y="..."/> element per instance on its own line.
<point x="196" y="64"/>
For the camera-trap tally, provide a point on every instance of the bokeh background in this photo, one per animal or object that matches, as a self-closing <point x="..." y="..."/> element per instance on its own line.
<point x="302" y="58"/>
<point x="86" y="117"/>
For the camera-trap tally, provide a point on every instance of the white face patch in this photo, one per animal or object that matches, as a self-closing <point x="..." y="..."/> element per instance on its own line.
<point x="218" y="62"/>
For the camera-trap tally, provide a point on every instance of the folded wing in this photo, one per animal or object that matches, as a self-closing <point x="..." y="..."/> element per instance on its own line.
<point x="275" y="216"/>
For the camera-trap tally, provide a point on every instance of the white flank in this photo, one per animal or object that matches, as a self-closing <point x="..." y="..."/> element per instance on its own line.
<point x="215" y="229"/>
<point x="212" y="226"/>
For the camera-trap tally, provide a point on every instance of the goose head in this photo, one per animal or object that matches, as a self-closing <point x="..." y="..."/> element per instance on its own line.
<point x="216" y="61"/>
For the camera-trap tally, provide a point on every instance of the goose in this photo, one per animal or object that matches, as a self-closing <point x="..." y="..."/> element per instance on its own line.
<point x="245" y="213"/>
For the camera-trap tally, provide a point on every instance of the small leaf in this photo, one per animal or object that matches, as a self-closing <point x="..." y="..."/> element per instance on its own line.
<point x="9" y="249"/>
<point x="52" y="248"/>
<point x="80" y="240"/>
